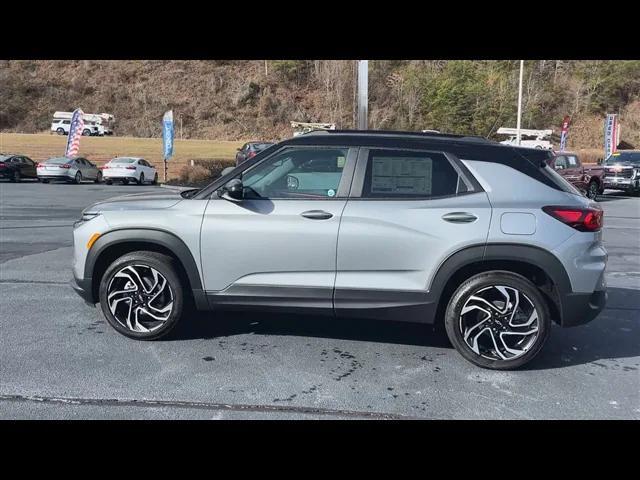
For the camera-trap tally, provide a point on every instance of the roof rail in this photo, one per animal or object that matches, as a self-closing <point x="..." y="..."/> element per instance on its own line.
<point x="399" y="133"/>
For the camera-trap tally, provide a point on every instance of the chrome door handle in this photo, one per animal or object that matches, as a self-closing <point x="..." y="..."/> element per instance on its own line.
<point x="317" y="214"/>
<point x="459" y="217"/>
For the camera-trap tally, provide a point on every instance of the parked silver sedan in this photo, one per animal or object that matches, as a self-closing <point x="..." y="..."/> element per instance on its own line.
<point x="73" y="170"/>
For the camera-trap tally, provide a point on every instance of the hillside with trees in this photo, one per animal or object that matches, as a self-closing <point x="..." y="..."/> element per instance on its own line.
<point x="235" y="100"/>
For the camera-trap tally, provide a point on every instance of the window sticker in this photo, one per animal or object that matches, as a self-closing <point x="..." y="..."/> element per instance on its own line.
<point x="402" y="175"/>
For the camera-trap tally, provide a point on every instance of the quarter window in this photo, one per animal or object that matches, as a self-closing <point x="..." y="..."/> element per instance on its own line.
<point x="297" y="173"/>
<point x="409" y="174"/>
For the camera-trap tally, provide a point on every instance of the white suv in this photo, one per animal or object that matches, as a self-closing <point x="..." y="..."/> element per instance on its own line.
<point x="62" y="127"/>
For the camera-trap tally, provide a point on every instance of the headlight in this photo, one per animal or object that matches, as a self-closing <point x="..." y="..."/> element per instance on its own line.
<point x="87" y="216"/>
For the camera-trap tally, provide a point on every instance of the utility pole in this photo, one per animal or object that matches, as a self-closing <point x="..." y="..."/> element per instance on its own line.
<point x="363" y="94"/>
<point x="180" y="126"/>
<point x="518" y="134"/>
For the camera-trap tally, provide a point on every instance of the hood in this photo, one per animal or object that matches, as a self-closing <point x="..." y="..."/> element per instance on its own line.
<point x="137" y="201"/>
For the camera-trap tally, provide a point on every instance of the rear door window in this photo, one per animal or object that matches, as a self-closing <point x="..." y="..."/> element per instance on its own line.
<point x="411" y="174"/>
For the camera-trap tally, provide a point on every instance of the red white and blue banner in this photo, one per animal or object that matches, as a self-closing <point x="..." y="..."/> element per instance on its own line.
<point x="611" y="135"/>
<point x="565" y="133"/>
<point x="75" y="132"/>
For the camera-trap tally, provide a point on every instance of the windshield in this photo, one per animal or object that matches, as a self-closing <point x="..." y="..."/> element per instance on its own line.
<point x="58" y="161"/>
<point x="624" y="157"/>
<point x="123" y="160"/>
<point x="3" y="158"/>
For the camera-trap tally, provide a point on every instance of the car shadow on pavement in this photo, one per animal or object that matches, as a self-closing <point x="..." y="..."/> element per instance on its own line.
<point x="228" y="323"/>
<point x="612" y="337"/>
<point x="605" y="342"/>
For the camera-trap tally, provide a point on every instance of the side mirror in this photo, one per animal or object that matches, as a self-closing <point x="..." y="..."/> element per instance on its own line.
<point x="226" y="171"/>
<point x="233" y="190"/>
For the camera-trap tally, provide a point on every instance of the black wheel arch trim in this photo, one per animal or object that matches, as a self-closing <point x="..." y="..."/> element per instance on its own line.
<point x="155" y="236"/>
<point x="528" y="254"/>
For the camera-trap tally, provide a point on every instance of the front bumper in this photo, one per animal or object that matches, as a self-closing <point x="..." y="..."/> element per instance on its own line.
<point x="83" y="288"/>
<point x="620" y="183"/>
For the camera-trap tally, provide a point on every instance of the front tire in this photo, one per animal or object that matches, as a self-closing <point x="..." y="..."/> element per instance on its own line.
<point x="498" y="320"/>
<point x="155" y="179"/>
<point x="60" y="131"/>
<point x="141" y="295"/>
<point x="16" y="177"/>
<point x="141" y="179"/>
<point x="78" y="178"/>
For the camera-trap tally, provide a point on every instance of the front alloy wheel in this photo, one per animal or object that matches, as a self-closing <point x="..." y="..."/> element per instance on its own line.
<point x="140" y="298"/>
<point x="592" y="191"/>
<point x="498" y="320"/>
<point x="141" y="295"/>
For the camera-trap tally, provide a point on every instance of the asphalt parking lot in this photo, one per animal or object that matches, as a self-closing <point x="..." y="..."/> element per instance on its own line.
<point x="60" y="360"/>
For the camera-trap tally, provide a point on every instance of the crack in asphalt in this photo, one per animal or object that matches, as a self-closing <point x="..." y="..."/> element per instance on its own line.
<point x="204" y="406"/>
<point x="37" y="282"/>
<point x="38" y="226"/>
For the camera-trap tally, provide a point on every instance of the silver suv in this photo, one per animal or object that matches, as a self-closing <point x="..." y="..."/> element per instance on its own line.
<point x="401" y="226"/>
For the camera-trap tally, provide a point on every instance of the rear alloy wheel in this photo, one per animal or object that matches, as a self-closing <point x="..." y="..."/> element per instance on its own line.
<point x="141" y="179"/>
<point x="78" y="178"/>
<point x="592" y="191"/>
<point x="16" y="176"/>
<point x="60" y="131"/>
<point x="141" y="295"/>
<point x="125" y="181"/>
<point x="498" y="320"/>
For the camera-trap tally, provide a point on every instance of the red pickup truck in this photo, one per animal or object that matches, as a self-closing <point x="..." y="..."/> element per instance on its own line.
<point x="589" y="180"/>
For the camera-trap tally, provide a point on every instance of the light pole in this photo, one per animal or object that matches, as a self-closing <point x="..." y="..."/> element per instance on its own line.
<point x="518" y="134"/>
<point x="180" y="126"/>
<point x="363" y="94"/>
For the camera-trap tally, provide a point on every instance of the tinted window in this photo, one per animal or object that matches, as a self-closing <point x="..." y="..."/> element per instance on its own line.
<point x="297" y="173"/>
<point x="573" y="161"/>
<point x="58" y="161"/>
<point x="123" y="160"/>
<point x="561" y="162"/>
<point x="404" y="174"/>
<point x="624" y="157"/>
<point x="66" y="122"/>
<point x="28" y="161"/>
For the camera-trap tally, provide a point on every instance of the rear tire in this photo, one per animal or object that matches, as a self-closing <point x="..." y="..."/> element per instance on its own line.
<point x="125" y="181"/>
<point x="155" y="179"/>
<point x="141" y="179"/>
<point x="132" y="304"/>
<point x="592" y="190"/>
<point x="498" y="320"/>
<point x="78" y="178"/>
<point x="60" y="131"/>
<point x="16" y="177"/>
<point x="99" y="177"/>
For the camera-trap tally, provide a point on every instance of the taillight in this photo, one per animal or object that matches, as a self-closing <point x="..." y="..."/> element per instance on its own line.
<point x="582" y="219"/>
<point x="2" y="164"/>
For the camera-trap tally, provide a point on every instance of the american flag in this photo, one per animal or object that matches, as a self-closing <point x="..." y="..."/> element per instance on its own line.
<point x="75" y="132"/>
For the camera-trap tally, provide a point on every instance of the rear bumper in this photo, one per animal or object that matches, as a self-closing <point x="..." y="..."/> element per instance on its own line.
<point x="64" y="177"/>
<point x="580" y="308"/>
